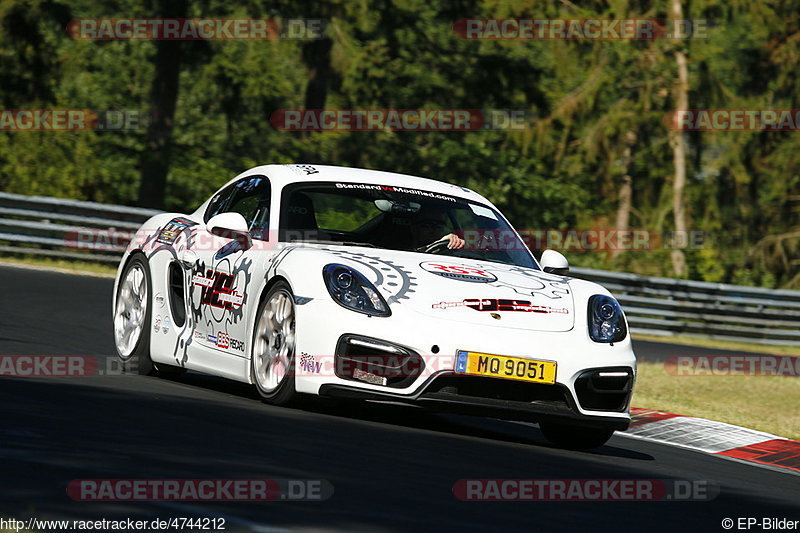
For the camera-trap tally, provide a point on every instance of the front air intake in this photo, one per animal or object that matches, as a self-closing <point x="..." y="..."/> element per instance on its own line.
<point x="378" y="362"/>
<point x="605" y="389"/>
<point x="177" y="296"/>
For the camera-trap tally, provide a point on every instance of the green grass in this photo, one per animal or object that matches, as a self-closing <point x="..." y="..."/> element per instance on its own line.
<point x="61" y="265"/>
<point x="764" y="403"/>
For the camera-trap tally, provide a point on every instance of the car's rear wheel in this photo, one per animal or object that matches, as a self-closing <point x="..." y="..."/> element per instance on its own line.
<point x="132" y="317"/>
<point x="272" y="360"/>
<point x="575" y="437"/>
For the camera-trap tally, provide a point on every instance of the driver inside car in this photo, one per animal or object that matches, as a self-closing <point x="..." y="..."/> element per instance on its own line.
<point x="427" y="227"/>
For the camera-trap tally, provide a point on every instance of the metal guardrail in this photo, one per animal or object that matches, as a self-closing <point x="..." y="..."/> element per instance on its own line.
<point x="667" y="306"/>
<point x="67" y="229"/>
<point x="72" y="229"/>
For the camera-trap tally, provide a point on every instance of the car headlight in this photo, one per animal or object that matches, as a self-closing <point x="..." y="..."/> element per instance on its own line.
<point x="350" y="289"/>
<point x="606" y="321"/>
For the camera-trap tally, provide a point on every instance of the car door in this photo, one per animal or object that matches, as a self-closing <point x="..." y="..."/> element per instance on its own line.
<point x="223" y="270"/>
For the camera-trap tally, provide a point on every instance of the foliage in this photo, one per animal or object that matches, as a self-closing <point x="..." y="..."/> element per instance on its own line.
<point x="593" y="102"/>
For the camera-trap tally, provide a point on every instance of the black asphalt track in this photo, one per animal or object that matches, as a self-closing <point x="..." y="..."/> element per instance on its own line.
<point x="392" y="468"/>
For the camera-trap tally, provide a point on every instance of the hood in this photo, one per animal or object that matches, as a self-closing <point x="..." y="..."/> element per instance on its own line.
<point x="466" y="290"/>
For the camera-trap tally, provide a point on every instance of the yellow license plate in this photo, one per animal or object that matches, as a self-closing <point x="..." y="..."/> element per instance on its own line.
<point x="502" y="366"/>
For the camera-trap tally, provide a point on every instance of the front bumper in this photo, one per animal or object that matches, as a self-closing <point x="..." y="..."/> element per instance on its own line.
<point x="580" y="395"/>
<point x="494" y="397"/>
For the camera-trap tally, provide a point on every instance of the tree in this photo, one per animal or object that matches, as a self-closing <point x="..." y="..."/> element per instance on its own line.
<point x="678" y="144"/>
<point x="156" y="158"/>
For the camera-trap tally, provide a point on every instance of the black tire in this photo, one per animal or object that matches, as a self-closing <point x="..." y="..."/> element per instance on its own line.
<point x="284" y="394"/>
<point x="139" y="360"/>
<point x="574" y="437"/>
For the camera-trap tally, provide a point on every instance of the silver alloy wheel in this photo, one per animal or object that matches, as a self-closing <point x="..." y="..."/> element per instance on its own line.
<point x="274" y="342"/>
<point x="131" y="310"/>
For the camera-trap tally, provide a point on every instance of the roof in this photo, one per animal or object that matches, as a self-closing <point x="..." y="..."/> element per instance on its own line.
<point x="298" y="172"/>
<point x="282" y="175"/>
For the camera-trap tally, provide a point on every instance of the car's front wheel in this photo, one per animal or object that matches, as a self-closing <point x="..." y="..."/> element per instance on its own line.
<point x="132" y="317"/>
<point x="575" y="437"/>
<point x="272" y="360"/>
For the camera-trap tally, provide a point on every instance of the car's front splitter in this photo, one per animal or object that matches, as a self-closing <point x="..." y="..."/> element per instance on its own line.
<point x="442" y="400"/>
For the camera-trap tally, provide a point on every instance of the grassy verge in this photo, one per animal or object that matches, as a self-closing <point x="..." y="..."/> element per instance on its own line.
<point x="60" y="265"/>
<point x="764" y="403"/>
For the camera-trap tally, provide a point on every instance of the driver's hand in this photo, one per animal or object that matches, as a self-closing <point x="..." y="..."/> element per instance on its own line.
<point x="456" y="242"/>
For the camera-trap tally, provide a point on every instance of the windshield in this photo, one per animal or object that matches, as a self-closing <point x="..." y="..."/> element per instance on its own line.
<point x="397" y="218"/>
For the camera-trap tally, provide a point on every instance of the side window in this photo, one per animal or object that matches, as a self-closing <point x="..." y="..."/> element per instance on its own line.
<point x="219" y="202"/>
<point x="251" y="199"/>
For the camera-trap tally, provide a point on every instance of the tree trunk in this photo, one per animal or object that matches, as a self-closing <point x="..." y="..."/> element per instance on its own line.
<point x="625" y="194"/>
<point x="678" y="143"/>
<point x="317" y="56"/>
<point x="155" y="160"/>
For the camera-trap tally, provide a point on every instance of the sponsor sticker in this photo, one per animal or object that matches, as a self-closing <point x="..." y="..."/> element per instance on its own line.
<point x="368" y="377"/>
<point x="224" y="341"/>
<point x="157" y="323"/>
<point x="304" y="169"/>
<point x="309" y="364"/>
<point x="217" y="290"/>
<point x="392" y="188"/>
<point x="165" y="325"/>
<point x="493" y="304"/>
<point x="169" y="233"/>
<point x="458" y="272"/>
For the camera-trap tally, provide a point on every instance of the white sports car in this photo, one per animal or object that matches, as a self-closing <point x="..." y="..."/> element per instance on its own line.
<point x="359" y="284"/>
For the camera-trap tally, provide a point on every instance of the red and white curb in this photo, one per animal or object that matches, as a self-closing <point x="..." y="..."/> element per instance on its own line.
<point x="717" y="438"/>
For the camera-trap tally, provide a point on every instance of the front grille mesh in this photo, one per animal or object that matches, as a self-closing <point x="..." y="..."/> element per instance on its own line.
<point x="497" y="389"/>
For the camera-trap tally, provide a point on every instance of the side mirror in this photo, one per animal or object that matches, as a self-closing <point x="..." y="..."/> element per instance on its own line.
<point x="554" y="263"/>
<point x="230" y="226"/>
